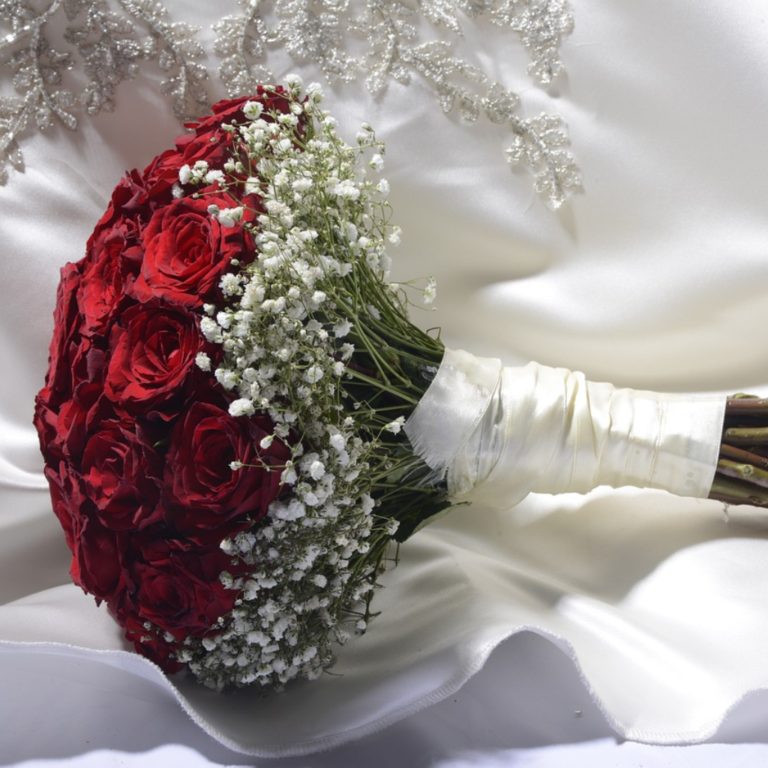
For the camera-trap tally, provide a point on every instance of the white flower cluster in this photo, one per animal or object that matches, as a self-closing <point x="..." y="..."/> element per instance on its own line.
<point x="289" y="331"/>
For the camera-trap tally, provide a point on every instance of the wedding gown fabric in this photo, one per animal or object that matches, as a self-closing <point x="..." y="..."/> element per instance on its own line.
<point x="655" y="277"/>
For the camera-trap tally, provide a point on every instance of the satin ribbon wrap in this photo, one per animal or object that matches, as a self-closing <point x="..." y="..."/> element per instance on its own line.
<point x="497" y="434"/>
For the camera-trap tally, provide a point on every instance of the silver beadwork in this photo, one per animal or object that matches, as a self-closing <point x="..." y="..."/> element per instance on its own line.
<point x="109" y="40"/>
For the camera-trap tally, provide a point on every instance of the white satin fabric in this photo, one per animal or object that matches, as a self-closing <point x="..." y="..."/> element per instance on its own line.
<point x="498" y="433"/>
<point x="655" y="277"/>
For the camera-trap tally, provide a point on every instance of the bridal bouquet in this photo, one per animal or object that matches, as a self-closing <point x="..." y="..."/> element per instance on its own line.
<point x="229" y="376"/>
<point x="239" y="417"/>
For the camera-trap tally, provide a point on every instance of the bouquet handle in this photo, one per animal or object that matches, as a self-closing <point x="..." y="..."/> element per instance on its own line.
<point x="497" y="433"/>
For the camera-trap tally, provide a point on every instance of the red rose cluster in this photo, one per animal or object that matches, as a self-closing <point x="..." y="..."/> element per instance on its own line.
<point x="137" y="439"/>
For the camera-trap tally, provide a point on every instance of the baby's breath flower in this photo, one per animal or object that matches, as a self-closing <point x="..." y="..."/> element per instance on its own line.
<point x="241" y="407"/>
<point x="227" y="378"/>
<point x="229" y="284"/>
<point x="252" y="109"/>
<point x="340" y="330"/>
<point x="303" y="184"/>
<point x="430" y="292"/>
<point x="227" y="217"/>
<point x="316" y="470"/>
<point x="347" y="190"/>
<point x="195" y="174"/>
<point x="211" y="330"/>
<point x="289" y="475"/>
<point x="294" y="81"/>
<point x="284" y="145"/>
<point x="315" y="93"/>
<point x="213" y="176"/>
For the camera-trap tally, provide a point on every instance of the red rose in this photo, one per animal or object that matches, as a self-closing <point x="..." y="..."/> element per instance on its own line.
<point x="153" y="353"/>
<point x="66" y="338"/>
<point x="46" y="421"/>
<point x="71" y="424"/>
<point x="66" y="498"/>
<point x="95" y="549"/>
<point x="178" y="590"/>
<point x="113" y="255"/>
<point x="204" y="493"/>
<point x="208" y="141"/>
<point x="162" y="173"/>
<point x="187" y="251"/>
<point x="96" y="566"/>
<point x="122" y="476"/>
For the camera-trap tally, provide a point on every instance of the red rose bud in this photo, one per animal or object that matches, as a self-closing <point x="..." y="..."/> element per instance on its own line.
<point x="97" y="556"/>
<point x="72" y="429"/>
<point x="66" y="497"/>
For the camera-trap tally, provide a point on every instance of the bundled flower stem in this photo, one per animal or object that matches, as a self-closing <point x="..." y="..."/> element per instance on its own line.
<point x="742" y="470"/>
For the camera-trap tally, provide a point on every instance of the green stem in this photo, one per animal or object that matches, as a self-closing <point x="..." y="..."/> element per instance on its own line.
<point x="379" y="385"/>
<point x="746" y="405"/>
<point x="735" y="492"/>
<point x="746" y="472"/>
<point x="746" y="435"/>
<point x="746" y="457"/>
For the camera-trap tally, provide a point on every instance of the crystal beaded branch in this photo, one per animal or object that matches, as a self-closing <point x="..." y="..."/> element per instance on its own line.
<point x="107" y="41"/>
